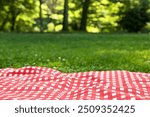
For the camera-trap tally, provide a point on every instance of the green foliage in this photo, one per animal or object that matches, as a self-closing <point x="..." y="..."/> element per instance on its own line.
<point x="16" y="15"/>
<point x="136" y="18"/>
<point x="52" y="15"/>
<point x="76" y="52"/>
<point x="103" y="15"/>
<point x="75" y="10"/>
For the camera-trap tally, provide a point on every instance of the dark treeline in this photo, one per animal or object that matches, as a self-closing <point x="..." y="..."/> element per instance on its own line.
<point x="75" y="15"/>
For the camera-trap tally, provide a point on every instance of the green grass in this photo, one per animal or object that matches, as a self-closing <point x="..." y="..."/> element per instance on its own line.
<point x="74" y="52"/>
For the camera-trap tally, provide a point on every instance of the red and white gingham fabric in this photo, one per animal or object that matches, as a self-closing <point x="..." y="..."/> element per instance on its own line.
<point x="30" y="83"/>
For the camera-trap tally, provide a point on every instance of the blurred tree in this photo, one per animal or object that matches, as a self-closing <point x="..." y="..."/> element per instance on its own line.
<point x="136" y="17"/>
<point x="54" y="14"/>
<point x="4" y="17"/>
<point x="75" y="10"/>
<point x="84" y="16"/>
<point x="14" y="11"/>
<point x="10" y="11"/>
<point x="103" y="16"/>
<point x="40" y="15"/>
<point x="72" y="15"/>
<point x="65" y="16"/>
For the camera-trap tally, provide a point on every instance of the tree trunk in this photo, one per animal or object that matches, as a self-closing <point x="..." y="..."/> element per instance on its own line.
<point x="13" y="20"/>
<point x="13" y="15"/>
<point x="65" y="19"/>
<point x="84" y="16"/>
<point x="40" y="16"/>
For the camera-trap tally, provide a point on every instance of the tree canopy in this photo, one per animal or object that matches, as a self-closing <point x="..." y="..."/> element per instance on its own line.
<point x="73" y="15"/>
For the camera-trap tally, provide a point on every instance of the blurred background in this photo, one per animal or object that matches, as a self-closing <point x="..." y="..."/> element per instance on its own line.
<point x="96" y="16"/>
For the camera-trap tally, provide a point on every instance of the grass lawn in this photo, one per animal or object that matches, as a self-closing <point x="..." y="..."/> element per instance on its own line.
<point x="74" y="52"/>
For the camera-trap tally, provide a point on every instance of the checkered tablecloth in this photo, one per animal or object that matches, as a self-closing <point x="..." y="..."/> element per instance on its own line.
<point x="30" y="83"/>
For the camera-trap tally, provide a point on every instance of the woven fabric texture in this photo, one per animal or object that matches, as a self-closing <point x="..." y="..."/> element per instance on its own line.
<point x="39" y="83"/>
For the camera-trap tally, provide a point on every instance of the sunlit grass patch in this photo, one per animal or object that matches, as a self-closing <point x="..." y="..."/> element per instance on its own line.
<point x="74" y="52"/>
